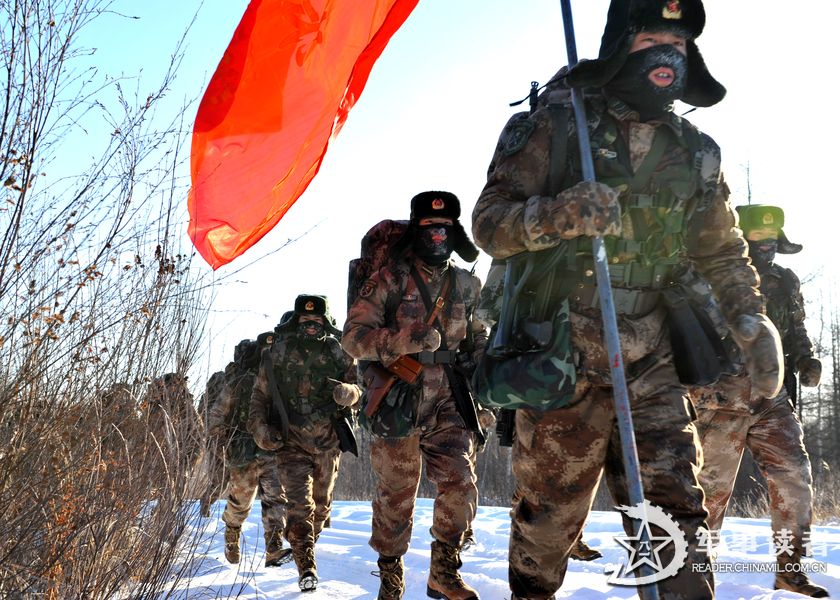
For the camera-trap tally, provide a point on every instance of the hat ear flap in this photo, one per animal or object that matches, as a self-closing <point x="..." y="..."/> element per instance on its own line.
<point x="462" y="243"/>
<point x="701" y="89"/>
<point x="785" y="246"/>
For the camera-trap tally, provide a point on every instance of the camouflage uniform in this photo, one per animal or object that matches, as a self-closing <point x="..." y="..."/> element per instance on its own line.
<point x="308" y="459"/>
<point x="250" y="469"/>
<point x="390" y="303"/>
<point x="173" y="421"/>
<point x="214" y="460"/>
<point x="678" y="213"/>
<point x="731" y="418"/>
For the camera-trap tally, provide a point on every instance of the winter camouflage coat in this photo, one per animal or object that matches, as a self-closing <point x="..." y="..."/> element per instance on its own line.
<point x="302" y="370"/>
<point x="516" y="211"/>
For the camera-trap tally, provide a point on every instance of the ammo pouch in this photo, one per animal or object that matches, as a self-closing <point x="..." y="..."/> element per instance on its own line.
<point x="396" y="413"/>
<point x="699" y="353"/>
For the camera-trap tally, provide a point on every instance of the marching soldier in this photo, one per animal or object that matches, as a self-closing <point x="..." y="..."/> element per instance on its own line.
<point x="732" y="417"/>
<point x="251" y="470"/>
<point x="303" y="382"/>
<point x="409" y="319"/>
<point x="659" y="201"/>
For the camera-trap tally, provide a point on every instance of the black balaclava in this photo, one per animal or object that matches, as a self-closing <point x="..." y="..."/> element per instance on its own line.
<point x="633" y="86"/>
<point x="315" y="325"/>
<point x="763" y="253"/>
<point x="433" y="243"/>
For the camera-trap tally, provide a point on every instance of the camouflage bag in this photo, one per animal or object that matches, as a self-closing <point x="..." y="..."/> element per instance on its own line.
<point x="543" y="379"/>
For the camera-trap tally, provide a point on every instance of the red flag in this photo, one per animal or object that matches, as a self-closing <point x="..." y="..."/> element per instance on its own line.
<point x="283" y="88"/>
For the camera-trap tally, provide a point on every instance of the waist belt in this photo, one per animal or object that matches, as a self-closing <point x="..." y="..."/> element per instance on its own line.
<point x="631" y="303"/>
<point x="630" y="274"/>
<point x="438" y="357"/>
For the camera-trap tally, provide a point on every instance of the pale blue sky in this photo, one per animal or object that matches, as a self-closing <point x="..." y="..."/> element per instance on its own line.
<point x="438" y="98"/>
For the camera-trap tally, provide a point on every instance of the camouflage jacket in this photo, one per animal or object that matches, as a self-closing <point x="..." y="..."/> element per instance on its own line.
<point x="786" y="308"/>
<point x="302" y="370"/>
<point x="228" y="416"/>
<point x="390" y="303"/>
<point x="515" y="212"/>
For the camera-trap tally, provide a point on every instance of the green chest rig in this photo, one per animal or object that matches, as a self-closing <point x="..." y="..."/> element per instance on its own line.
<point x="302" y="378"/>
<point x="654" y="202"/>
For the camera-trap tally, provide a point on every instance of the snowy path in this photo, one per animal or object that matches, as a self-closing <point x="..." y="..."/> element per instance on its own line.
<point x="345" y="560"/>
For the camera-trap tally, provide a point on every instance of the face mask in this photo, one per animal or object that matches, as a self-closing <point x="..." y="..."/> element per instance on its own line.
<point x="632" y="85"/>
<point x="311" y="330"/>
<point x="433" y="243"/>
<point x="763" y="253"/>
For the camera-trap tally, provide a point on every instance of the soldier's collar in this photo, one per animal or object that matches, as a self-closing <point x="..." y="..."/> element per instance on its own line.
<point x="622" y="112"/>
<point x="431" y="271"/>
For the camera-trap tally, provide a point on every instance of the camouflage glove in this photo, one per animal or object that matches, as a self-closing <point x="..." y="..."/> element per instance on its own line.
<point x="267" y="438"/>
<point x="587" y="208"/>
<point x="346" y="394"/>
<point x="762" y="348"/>
<point x="810" y="371"/>
<point x="416" y="339"/>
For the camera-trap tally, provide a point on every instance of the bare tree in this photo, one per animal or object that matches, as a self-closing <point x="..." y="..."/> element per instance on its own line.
<point x="97" y="300"/>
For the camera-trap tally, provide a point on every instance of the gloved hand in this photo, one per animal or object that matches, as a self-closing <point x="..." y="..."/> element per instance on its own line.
<point x="415" y="339"/>
<point x="810" y="371"/>
<point x="587" y="208"/>
<point x="346" y="394"/>
<point x="762" y="348"/>
<point x="267" y="438"/>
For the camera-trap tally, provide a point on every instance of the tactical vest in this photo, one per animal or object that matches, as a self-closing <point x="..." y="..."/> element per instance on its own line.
<point x="779" y="289"/>
<point x="653" y="206"/>
<point x="301" y="377"/>
<point x="241" y="448"/>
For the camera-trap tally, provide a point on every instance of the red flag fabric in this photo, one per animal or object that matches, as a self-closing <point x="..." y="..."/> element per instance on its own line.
<point x="283" y="88"/>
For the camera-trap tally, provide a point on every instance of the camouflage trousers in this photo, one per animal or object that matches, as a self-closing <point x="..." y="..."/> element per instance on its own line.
<point x="215" y="470"/>
<point x="260" y="476"/>
<point x="774" y="436"/>
<point x="309" y="481"/>
<point x="447" y="447"/>
<point x="560" y="455"/>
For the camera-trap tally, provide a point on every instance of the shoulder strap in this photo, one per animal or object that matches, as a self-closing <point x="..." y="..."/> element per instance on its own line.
<point x="559" y="147"/>
<point x="434" y="309"/>
<point x="651" y="161"/>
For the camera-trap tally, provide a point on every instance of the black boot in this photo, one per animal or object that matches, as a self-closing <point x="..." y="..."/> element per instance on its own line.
<point x="307" y="571"/>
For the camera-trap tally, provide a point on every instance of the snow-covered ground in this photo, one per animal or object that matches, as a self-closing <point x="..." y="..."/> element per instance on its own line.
<point x="345" y="560"/>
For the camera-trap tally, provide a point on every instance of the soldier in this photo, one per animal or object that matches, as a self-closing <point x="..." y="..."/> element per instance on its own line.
<point x="251" y="470"/>
<point x="432" y="419"/>
<point x="174" y="422"/>
<point x="659" y="201"/>
<point x="309" y="381"/>
<point x="732" y="417"/>
<point x="214" y="460"/>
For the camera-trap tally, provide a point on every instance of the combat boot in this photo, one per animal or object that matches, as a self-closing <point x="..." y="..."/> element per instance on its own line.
<point x="445" y="582"/>
<point x="232" y="544"/>
<point x="392" y="578"/>
<point x="582" y="551"/>
<point x="307" y="571"/>
<point x="790" y="578"/>
<point x="275" y="554"/>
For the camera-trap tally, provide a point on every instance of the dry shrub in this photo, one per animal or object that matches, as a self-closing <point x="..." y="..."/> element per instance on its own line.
<point x="97" y="300"/>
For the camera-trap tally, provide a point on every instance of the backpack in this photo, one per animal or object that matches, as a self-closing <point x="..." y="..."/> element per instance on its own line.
<point x="375" y="254"/>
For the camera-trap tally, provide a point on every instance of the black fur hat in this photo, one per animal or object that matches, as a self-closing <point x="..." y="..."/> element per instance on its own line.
<point x="436" y="204"/>
<point x="308" y="304"/>
<point x="625" y="19"/>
